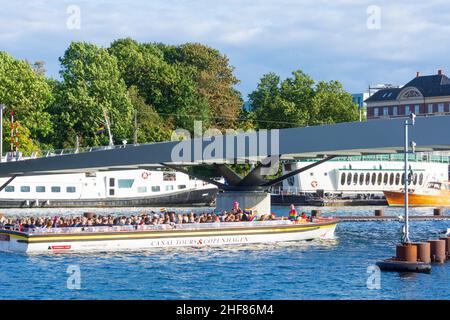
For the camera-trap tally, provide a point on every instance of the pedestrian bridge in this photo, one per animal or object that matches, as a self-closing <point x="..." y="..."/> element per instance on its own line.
<point x="325" y="141"/>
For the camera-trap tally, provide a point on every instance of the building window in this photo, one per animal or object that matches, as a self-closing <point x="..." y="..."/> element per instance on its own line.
<point x="441" y="108"/>
<point x="71" y="189"/>
<point x="142" y="189"/>
<point x="111" y="192"/>
<point x="375" y="112"/>
<point x="40" y="189"/>
<point x="385" y="111"/>
<point x="56" y="189"/>
<point x="416" y="109"/>
<point x="156" y="188"/>
<point x="9" y="189"/>
<point x="407" y="110"/>
<point x="395" y="111"/>
<point x="25" y="189"/>
<point x="111" y="182"/>
<point x="125" y="183"/>
<point x="430" y="108"/>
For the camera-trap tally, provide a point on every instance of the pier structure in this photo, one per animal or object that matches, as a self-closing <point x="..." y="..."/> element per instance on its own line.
<point x="261" y="149"/>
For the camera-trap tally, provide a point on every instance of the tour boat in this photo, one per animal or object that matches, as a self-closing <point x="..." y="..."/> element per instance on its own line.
<point x="117" y="238"/>
<point x="116" y="188"/>
<point x="433" y="194"/>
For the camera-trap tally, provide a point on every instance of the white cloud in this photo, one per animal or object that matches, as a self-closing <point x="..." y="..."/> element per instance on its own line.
<point x="328" y="39"/>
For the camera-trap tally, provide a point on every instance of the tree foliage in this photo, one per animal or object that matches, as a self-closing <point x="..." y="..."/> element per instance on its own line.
<point x="92" y="93"/>
<point x="299" y="101"/>
<point x="27" y="94"/>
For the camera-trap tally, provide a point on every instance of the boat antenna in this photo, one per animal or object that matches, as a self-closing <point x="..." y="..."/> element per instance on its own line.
<point x="408" y="177"/>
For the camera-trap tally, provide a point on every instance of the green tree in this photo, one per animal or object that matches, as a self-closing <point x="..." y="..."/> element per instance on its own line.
<point x="298" y="101"/>
<point x="150" y="126"/>
<point x="92" y="92"/>
<point x="170" y="89"/>
<point x="214" y="78"/>
<point x="331" y="104"/>
<point x="27" y="94"/>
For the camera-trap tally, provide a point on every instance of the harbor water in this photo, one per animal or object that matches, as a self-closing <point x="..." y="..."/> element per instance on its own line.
<point x="327" y="269"/>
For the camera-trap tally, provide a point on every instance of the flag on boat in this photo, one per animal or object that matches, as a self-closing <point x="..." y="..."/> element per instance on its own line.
<point x="101" y="129"/>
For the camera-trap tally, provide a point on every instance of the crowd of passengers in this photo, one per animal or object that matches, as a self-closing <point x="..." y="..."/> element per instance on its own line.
<point x="152" y="218"/>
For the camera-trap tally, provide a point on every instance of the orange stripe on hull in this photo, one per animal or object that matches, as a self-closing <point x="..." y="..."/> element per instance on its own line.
<point x="395" y="198"/>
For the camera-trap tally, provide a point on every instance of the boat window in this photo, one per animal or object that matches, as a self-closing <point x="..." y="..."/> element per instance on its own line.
<point x="291" y="180"/>
<point x="391" y="179"/>
<point x="40" y="189"/>
<point x="374" y="178"/>
<point x="421" y="178"/>
<point x="9" y="189"/>
<point x="380" y="178"/>
<point x="182" y="186"/>
<point x="361" y="179"/>
<point x="287" y="167"/>
<point x="125" y="183"/>
<point x="409" y="178"/>
<point x="367" y="178"/>
<point x="349" y="178"/>
<point x="386" y="178"/>
<point x="142" y="189"/>
<point x="397" y="179"/>
<point x="414" y="178"/>
<point x="169" y="188"/>
<point x="111" y="192"/>
<point x="342" y="178"/>
<point x="25" y="189"/>
<point x="56" y="189"/>
<point x="156" y="188"/>
<point x="355" y="178"/>
<point x="169" y="176"/>
<point x="111" y="182"/>
<point x="71" y="189"/>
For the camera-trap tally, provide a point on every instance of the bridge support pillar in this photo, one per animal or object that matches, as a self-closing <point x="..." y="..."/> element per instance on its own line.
<point x="255" y="200"/>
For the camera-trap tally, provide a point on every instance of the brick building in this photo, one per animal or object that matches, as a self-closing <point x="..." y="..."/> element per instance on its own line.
<point x="423" y="95"/>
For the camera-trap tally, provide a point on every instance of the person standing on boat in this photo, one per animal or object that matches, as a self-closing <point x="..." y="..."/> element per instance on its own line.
<point x="293" y="213"/>
<point x="236" y="208"/>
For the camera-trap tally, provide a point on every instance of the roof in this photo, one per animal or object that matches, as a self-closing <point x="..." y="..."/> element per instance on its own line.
<point x="429" y="86"/>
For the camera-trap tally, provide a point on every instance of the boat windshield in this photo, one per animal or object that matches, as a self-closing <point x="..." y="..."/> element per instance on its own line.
<point x="434" y="185"/>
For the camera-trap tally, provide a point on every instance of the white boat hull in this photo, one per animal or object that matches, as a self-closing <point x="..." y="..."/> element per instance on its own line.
<point x="17" y="242"/>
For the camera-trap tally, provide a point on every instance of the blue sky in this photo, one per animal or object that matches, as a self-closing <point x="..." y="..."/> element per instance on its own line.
<point x="330" y="40"/>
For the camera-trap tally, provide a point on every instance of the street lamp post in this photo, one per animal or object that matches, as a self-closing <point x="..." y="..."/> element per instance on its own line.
<point x="405" y="237"/>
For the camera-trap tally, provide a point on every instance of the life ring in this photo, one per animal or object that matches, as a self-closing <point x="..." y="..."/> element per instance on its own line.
<point x="145" y="175"/>
<point x="314" y="184"/>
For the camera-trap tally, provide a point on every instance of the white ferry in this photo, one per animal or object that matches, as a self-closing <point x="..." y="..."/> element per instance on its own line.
<point x="107" y="189"/>
<point x="364" y="177"/>
<point x="119" y="238"/>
